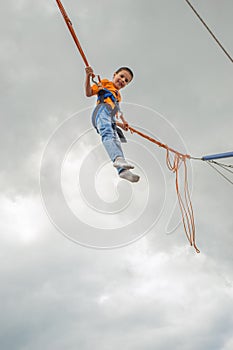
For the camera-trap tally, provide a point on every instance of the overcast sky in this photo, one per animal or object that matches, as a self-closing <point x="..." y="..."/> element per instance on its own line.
<point x="86" y="261"/>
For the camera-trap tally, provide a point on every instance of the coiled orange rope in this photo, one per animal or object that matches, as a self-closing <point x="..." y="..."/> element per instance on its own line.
<point x="185" y="200"/>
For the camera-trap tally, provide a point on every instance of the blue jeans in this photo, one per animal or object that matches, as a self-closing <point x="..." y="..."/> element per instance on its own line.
<point x="102" y="120"/>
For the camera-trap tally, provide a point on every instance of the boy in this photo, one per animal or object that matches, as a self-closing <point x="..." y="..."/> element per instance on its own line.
<point x="105" y="114"/>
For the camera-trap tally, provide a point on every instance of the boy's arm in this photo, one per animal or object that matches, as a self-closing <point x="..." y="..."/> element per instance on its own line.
<point x="124" y="125"/>
<point x="89" y="73"/>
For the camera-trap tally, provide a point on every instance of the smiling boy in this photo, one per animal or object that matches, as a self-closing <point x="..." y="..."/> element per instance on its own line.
<point x="105" y="115"/>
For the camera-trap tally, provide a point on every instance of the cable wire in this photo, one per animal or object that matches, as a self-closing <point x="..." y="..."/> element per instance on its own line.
<point x="211" y="33"/>
<point x="219" y="172"/>
<point x="226" y="166"/>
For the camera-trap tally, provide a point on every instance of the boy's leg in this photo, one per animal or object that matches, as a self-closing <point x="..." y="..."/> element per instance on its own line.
<point x="109" y="136"/>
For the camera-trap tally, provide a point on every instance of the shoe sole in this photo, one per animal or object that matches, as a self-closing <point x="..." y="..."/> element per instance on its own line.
<point x="135" y="179"/>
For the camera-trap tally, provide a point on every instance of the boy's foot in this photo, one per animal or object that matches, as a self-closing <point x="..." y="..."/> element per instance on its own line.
<point x="127" y="175"/>
<point x="121" y="163"/>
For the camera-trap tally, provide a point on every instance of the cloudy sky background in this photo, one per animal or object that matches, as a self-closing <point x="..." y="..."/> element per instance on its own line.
<point x="155" y="293"/>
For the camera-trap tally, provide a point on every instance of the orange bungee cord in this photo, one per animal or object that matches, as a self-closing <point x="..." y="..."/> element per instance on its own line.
<point x="72" y="32"/>
<point x="74" y="36"/>
<point x="185" y="200"/>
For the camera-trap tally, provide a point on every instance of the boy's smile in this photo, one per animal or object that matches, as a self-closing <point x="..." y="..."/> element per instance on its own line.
<point x="121" y="79"/>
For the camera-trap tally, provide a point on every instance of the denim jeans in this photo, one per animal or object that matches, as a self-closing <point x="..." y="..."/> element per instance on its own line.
<point x="103" y="122"/>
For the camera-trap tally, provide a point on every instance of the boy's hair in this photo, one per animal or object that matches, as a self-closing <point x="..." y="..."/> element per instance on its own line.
<point x="128" y="70"/>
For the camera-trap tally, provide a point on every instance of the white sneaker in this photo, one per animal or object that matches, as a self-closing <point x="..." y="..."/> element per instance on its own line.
<point x="121" y="163"/>
<point x="127" y="175"/>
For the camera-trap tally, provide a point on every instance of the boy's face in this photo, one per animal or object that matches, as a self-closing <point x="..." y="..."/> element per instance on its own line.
<point x="121" y="79"/>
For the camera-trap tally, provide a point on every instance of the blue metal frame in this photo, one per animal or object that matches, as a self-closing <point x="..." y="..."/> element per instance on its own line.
<point x="218" y="156"/>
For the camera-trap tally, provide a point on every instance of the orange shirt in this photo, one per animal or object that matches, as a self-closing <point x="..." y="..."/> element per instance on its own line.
<point x="107" y="84"/>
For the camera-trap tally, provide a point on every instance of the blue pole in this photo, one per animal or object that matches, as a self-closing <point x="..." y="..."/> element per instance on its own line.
<point x="218" y="156"/>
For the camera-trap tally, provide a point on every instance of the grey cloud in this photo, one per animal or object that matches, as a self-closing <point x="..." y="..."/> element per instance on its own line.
<point x="156" y="293"/>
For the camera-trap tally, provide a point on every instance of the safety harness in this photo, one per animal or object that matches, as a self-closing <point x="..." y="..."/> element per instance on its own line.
<point x="105" y="93"/>
<point x="102" y="95"/>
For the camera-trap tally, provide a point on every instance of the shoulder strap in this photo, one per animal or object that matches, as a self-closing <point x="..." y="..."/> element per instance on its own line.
<point x="104" y="93"/>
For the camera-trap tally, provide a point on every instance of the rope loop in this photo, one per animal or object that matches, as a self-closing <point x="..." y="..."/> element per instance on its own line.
<point x="183" y="194"/>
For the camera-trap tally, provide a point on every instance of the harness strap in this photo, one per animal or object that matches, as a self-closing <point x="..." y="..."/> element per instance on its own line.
<point x="118" y="130"/>
<point x="104" y="93"/>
